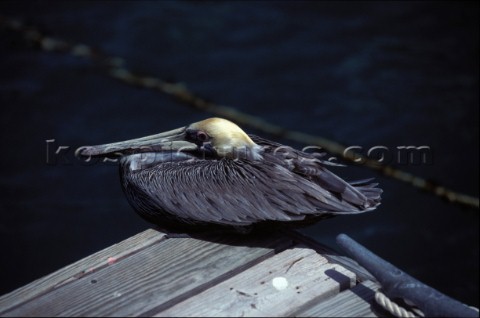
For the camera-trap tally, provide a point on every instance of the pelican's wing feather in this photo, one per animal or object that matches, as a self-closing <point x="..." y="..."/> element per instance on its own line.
<point x="362" y="194"/>
<point x="236" y="192"/>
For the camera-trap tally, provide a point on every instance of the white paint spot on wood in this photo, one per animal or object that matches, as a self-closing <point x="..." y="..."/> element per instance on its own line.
<point x="280" y="283"/>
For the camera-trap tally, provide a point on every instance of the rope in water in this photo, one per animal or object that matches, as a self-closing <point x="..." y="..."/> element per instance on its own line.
<point x="117" y="69"/>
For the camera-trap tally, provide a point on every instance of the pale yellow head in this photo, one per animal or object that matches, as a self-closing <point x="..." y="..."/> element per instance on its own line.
<point x="225" y="136"/>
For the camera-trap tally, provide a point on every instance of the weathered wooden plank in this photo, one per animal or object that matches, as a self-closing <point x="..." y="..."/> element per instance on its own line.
<point x="277" y="286"/>
<point x="332" y="255"/>
<point x="152" y="279"/>
<point x="355" y="302"/>
<point x="80" y="268"/>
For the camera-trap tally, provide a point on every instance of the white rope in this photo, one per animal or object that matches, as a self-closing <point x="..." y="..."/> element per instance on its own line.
<point x="392" y="307"/>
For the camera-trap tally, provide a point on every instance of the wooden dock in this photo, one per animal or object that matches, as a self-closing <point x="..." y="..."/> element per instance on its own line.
<point x="151" y="274"/>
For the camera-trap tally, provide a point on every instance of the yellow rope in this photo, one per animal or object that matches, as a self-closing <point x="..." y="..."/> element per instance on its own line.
<point x="180" y="92"/>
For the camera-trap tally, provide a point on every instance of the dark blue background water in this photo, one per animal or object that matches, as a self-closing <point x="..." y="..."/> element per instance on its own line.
<point x="359" y="73"/>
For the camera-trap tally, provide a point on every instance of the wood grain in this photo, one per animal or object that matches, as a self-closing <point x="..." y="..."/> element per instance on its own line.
<point x="330" y="254"/>
<point x="78" y="269"/>
<point x="252" y="293"/>
<point x="150" y="280"/>
<point x="215" y="275"/>
<point x="355" y="302"/>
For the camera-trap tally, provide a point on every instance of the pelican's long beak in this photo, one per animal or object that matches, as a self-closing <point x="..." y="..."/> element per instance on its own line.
<point x="171" y="141"/>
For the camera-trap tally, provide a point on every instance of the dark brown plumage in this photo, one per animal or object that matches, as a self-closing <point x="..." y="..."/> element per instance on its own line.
<point x="211" y="172"/>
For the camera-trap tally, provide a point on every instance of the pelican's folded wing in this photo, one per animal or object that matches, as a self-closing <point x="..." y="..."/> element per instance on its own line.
<point x="233" y="192"/>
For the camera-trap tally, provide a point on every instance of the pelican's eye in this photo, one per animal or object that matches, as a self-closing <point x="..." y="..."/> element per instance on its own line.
<point x="197" y="136"/>
<point x="201" y="136"/>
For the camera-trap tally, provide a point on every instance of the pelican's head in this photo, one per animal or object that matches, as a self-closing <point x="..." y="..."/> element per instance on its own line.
<point x="216" y="137"/>
<point x="223" y="137"/>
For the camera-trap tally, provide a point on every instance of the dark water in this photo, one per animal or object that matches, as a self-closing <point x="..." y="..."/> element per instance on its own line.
<point x="359" y="73"/>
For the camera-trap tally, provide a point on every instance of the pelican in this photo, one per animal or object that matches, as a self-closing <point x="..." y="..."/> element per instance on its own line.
<point x="213" y="173"/>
